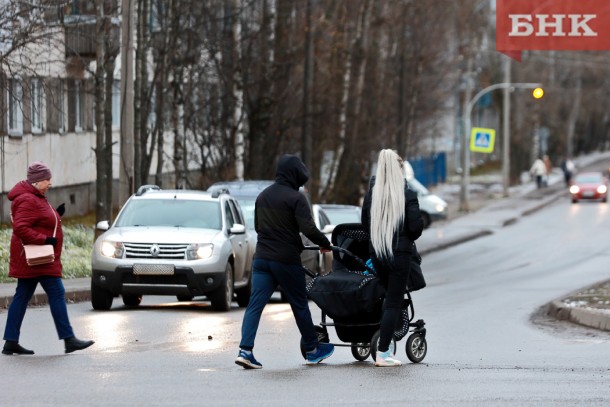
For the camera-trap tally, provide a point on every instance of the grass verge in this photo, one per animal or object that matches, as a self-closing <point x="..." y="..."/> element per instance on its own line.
<point x="76" y="253"/>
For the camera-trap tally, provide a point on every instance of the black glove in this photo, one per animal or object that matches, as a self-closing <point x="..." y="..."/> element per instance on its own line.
<point x="50" y="240"/>
<point x="61" y="209"/>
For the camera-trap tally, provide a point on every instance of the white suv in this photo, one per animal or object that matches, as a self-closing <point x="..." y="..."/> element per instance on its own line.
<point x="173" y="242"/>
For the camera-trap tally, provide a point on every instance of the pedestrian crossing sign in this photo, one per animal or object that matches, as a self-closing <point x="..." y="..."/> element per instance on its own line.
<point x="482" y="140"/>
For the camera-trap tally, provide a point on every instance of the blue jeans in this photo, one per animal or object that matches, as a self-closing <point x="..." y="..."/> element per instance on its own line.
<point x="56" y="293"/>
<point x="266" y="276"/>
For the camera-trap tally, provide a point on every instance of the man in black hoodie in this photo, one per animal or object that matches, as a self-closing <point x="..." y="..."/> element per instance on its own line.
<point x="280" y="213"/>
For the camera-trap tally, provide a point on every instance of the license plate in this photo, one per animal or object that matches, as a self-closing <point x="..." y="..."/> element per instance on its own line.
<point x="153" y="269"/>
<point x="588" y="194"/>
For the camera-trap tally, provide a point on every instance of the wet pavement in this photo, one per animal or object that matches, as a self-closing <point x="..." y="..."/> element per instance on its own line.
<point x="588" y="306"/>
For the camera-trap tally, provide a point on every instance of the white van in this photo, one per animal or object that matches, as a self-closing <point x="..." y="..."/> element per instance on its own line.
<point x="431" y="206"/>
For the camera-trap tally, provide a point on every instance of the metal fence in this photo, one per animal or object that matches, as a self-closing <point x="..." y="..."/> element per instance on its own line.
<point x="430" y="170"/>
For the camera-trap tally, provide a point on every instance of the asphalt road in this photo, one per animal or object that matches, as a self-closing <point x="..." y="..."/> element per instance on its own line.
<point x="484" y="349"/>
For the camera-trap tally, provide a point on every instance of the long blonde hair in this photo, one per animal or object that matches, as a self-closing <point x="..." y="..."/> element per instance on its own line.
<point x="387" y="202"/>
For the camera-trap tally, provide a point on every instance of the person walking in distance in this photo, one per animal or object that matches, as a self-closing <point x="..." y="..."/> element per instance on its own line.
<point x="538" y="171"/>
<point x="568" y="168"/>
<point x="280" y="212"/>
<point x="35" y="221"/>
<point x="390" y="212"/>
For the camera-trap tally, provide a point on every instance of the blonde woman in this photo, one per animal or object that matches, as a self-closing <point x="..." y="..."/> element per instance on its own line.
<point x="390" y="213"/>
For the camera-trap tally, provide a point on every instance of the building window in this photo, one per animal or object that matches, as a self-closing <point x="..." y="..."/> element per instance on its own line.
<point x="15" y="109"/>
<point x="116" y="104"/>
<point x="79" y="106"/>
<point x="37" y="107"/>
<point x="61" y="107"/>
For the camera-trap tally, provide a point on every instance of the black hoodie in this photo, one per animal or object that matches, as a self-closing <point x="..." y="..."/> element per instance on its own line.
<point x="281" y="211"/>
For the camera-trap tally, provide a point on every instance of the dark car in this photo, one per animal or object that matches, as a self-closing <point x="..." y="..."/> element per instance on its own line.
<point x="589" y="185"/>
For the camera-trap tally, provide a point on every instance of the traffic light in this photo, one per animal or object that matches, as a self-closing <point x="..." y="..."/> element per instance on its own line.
<point x="538" y="93"/>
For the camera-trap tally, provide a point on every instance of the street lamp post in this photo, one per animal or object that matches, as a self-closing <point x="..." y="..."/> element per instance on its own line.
<point x="464" y="195"/>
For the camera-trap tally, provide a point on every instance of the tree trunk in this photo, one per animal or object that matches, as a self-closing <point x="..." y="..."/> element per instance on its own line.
<point x="306" y="141"/>
<point x="101" y="209"/>
<point x="345" y="186"/>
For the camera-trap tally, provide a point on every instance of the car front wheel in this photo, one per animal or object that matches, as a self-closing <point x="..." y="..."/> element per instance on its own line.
<point x="243" y="294"/>
<point x="101" y="299"/>
<point x="222" y="297"/>
<point x="132" y="300"/>
<point x="426" y="218"/>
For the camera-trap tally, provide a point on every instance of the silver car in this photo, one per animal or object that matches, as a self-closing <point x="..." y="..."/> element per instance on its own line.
<point x="173" y="242"/>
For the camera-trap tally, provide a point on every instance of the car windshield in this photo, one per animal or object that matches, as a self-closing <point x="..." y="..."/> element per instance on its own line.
<point x="172" y="213"/>
<point x="339" y="216"/>
<point x="418" y="187"/>
<point x="589" y="179"/>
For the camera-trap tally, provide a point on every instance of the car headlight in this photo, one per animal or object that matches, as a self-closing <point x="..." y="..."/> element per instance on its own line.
<point x="112" y="249"/>
<point x="601" y="189"/>
<point x="440" y="208"/>
<point x="574" y="189"/>
<point x="199" y="251"/>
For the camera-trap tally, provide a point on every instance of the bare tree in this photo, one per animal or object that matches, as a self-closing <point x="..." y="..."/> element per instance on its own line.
<point x="106" y="53"/>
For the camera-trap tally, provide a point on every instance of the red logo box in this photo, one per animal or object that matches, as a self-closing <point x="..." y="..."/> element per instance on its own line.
<point x="544" y="25"/>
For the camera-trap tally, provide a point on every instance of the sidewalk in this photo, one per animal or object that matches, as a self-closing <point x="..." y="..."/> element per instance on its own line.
<point x="492" y="215"/>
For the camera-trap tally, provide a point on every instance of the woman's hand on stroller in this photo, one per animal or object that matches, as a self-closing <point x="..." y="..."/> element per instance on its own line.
<point x="326" y="249"/>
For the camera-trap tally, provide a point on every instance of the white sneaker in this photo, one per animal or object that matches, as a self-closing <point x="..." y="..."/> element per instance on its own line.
<point x="384" y="359"/>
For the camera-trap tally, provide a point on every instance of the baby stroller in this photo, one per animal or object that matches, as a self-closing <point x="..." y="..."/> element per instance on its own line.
<point x="352" y="296"/>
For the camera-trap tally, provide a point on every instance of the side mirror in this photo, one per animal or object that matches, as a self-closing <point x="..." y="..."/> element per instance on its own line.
<point x="237" y="229"/>
<point x="103" y="225"/>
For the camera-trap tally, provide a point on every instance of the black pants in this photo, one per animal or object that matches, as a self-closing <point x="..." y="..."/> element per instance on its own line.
<point x="394" y="278"/>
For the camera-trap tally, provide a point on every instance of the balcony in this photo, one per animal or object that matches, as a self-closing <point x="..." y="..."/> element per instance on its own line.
<point x="79" y="21"/>
<point x="81" y="39"/>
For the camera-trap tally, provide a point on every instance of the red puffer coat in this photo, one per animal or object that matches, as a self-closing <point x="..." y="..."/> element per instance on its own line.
<point x="33" y="221"/>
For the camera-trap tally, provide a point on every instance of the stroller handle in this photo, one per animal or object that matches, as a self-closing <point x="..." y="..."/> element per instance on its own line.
<point x="344" y="251"/>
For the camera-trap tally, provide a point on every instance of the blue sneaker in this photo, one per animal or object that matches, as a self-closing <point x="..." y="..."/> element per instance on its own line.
<point x="246" y="360"/>
<point x="323" y="351"/>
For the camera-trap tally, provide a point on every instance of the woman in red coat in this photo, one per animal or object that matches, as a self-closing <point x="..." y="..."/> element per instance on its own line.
<point x="36" y="222"/>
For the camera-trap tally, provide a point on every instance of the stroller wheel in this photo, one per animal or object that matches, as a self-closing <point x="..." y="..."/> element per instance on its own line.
<point x="322" y="334"/>
<point x="361" y="351"/>
<point x="416" y="347"/>
<point x="375" y="345"/>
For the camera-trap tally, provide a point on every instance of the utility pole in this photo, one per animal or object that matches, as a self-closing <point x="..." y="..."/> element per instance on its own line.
<point x="465" y="156"/>
<point x="126" y="181"/>
<point x="506" y="131"/>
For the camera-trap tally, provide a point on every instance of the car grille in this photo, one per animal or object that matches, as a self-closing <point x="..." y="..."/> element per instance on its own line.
<point x="155" y="251"/>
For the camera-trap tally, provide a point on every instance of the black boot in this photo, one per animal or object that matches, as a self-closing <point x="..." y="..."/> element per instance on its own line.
<point x="74" y="343"/>
<point x="11" y="347"/>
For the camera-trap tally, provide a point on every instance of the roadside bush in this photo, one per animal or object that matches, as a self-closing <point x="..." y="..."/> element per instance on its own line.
<point x="75" y="257"/>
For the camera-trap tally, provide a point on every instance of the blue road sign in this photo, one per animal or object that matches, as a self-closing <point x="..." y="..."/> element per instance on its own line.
<point x="482" y="140"/>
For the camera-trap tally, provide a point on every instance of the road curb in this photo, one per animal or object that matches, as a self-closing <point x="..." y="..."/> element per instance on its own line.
<point x="40" y="299"/>
<point x="454" y="242"/>
<point x="591" y="318"/>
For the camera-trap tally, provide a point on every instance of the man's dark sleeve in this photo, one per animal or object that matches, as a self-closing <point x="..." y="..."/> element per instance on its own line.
<point x="306" y="224"/>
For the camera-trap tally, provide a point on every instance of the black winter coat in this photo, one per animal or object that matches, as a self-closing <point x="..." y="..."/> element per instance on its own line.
<point x="412" y="227"/>
<point x="281" y="211"/>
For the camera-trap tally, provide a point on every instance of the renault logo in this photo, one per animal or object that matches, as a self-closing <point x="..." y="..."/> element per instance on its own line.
<point x="155" y="250"/>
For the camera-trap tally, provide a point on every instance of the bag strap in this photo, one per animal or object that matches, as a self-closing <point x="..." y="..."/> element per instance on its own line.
<point x="54" y="214"/>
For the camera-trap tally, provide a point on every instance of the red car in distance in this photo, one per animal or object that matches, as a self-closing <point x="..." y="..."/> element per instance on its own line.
<point x="589" y="185"/>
